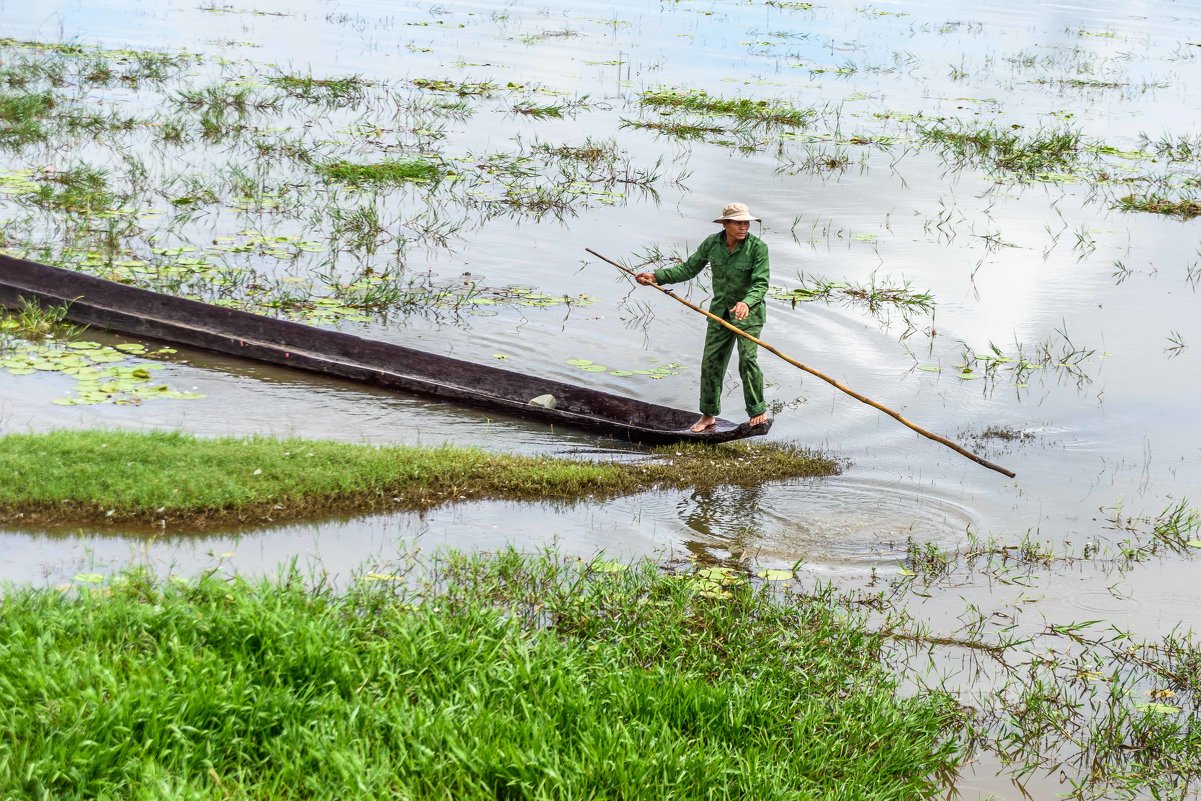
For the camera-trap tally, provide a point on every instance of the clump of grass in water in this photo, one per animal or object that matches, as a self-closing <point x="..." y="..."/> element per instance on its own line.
<point x="591" y="152"/>
<point x="358" y="228"/>
<point x="35" y="322"/>
<point x="742" y="109"/>
<point x="498" y="676"/>
<point x="21" y="117"/>
<point x="222" y="98"/>
<point x="539" y="112"/>
<point x="324" y="90"/>
<point x="384" y="172"/>
<point x="677" y="130"/>
<point x="223" y="109"/>
<point x="1185" y="209"/>
<point x="124" y="476"/>
<point x="874" y="296"/>
<point x="81" y="189"/>
<point x="462" y="88"/>
<point x="1006" y="150"/>
<point x="1172" y="147"/>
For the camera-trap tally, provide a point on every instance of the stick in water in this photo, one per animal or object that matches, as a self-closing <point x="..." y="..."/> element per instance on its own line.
<point x="962" y="451"/>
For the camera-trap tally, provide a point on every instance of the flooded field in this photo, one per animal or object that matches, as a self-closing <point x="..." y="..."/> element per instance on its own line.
<point x="980" y="216"/>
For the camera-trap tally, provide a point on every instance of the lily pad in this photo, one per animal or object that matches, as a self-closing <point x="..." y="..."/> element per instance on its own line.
<point x="775" y="575"/>
<point x="1159" y="709"/>
<point x="579" y="362"/>
<point x="723" y="574"/>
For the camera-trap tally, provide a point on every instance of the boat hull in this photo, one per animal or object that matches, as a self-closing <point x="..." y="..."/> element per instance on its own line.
<point x="138" y="312"/>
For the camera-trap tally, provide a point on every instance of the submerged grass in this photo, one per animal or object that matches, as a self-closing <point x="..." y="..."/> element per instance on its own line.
<point x="70" y="476"/>
<point x="1007" y="150"/>
<point x="388" y="172"/>
<point x="22" y="115"/>
<point x="505" y="676"/>
<point x="1185" y="209"/>
<point x="743" y="109"/>
<point x="34" y="322"/>
<point x="1110" y="713"/>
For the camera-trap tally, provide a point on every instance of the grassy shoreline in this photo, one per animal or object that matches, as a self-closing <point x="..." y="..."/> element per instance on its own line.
<point x="168" y="479"/>
<point x="503" y="676"/>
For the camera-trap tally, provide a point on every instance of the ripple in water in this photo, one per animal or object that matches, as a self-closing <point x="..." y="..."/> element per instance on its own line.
<point x="831" y="524"/>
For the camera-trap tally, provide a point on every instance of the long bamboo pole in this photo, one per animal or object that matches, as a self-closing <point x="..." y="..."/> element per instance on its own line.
<point x="863" y="398"/>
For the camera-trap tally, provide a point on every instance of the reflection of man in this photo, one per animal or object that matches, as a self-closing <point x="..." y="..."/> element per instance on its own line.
<point x="740" y="280"/>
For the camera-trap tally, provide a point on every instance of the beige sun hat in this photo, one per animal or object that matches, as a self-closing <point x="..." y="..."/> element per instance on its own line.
<point x="736" y="212"/>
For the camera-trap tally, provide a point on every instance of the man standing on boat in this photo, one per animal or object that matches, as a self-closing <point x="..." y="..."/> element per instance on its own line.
<point x="740" y="281"/>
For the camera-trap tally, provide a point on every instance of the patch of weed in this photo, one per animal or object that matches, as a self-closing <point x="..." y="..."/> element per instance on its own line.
<point x="325" y="90"/>
<point x="742" y="109"/>
<point x="80" y="189"/>
<point x="21" y="117"/>
<point x="1185" y="209"/>
<point x="461" y="88"/>
<point x="1007" y="150"/>
<point x="386" y="172"/>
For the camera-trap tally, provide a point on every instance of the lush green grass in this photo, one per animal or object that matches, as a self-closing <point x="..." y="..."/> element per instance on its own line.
<point x="514" y="677"/>
<point x="70" y="476"/>
<point x="385" y="172"/>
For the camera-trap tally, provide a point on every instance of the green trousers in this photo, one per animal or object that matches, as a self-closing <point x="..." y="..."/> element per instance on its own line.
<point x="719" y="341"/>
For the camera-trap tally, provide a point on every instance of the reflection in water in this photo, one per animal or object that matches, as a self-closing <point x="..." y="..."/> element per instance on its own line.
<point x="727" y="522"/>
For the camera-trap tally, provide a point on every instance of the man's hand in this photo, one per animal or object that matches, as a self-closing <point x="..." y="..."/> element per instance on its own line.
<point x="741" y="310"/>
<point x="646" y="278"/>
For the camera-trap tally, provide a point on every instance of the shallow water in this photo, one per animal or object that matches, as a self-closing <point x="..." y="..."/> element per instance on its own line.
<point x="1008" y="263"/>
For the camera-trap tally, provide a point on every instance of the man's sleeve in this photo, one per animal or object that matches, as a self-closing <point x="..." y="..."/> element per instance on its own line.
<point x="687" y="269"/>
<point x="760" y="276"/>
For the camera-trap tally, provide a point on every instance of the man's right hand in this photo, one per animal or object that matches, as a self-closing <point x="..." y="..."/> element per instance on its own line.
<point x="646" y="278"/>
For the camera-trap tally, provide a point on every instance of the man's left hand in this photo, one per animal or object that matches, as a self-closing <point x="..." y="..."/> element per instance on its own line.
<point x="741" y="310"/>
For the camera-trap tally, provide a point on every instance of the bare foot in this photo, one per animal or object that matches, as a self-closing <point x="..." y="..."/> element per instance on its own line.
<point x="706" y="422"/>
<point x="757" y="420"/>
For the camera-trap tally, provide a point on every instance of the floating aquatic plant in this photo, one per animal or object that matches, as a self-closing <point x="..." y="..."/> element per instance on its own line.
<point x="588" y="366"/>
<point x="102" y="373"/>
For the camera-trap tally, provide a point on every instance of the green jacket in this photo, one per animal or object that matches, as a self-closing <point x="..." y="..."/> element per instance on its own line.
<point x="741" y="275"/>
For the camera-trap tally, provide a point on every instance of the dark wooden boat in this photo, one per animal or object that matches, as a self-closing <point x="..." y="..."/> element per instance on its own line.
<point x="139" y="312"/>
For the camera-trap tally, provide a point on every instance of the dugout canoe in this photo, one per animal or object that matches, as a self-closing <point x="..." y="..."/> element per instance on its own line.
<point x="141" y="313"/>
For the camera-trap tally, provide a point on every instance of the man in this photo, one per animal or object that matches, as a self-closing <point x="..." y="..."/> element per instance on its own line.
<point x="740" y="281"/>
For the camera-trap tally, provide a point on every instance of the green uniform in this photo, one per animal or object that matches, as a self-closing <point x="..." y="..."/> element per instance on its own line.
<point x="741" y="275"/>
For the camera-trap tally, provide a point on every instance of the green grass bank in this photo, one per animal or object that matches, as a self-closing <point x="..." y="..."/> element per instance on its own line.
<point x="70" y="477"/>
<point x="503" y="676"/>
